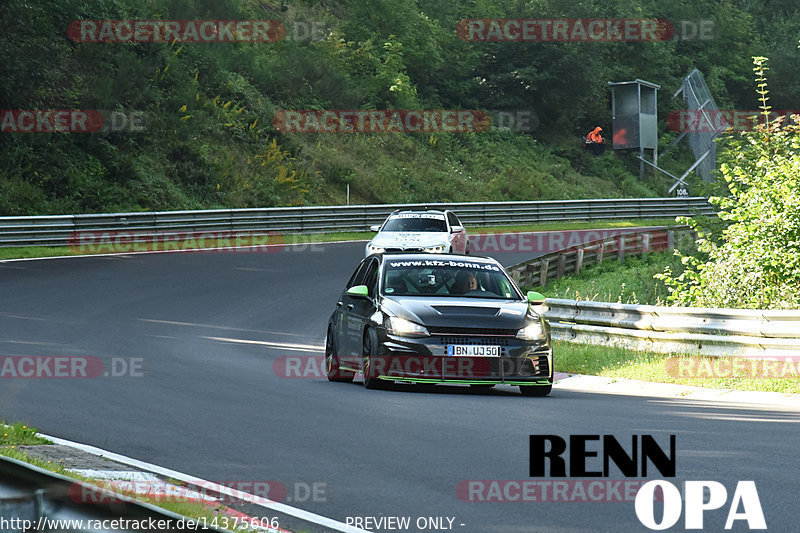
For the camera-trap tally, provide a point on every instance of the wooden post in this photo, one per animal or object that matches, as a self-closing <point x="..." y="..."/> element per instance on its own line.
<point x="578" y="261"/>
<point x="561" y="266"/>
<point x="543" y="272"/>
<point x="530" y="272"/>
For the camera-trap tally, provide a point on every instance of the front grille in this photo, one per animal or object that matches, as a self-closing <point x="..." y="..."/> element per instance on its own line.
<point x="477" y="341"/>
<point x="397" y="250"/>
<point x="495" y="332"/>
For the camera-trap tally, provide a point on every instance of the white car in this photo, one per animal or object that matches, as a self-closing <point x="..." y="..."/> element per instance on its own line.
<point x="434" y="232"/>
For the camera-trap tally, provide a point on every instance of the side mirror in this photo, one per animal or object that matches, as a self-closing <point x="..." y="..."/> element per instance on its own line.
<point x="375" y="227"/>
<point x="456" y="229"/>
<point x="536" y="298"/>
<point x="359" y="291"/>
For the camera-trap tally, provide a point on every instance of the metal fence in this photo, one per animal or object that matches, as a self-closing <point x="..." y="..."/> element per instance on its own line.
<point x="62" y="230"/>
<point x="698" y="100"/>
<point x="732" y="332"/>
<point x="536" y="272"/>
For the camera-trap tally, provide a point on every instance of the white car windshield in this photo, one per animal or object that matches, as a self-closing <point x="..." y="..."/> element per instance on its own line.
<point x="415" y="223"/>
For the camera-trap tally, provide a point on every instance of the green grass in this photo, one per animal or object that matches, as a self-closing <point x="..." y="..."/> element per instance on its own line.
<point x="17" y="434"/>
<point x="617" y="362"/>
<point x="33" y="251"/>
<point x="629" y="282"/>
<point x="300" y="238"/>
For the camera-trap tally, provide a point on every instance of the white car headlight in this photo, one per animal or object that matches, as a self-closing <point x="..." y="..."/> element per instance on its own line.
<point x="532" y="332"/>
<point x="405" y="328"/>
<point x="375" y="249"/>
<point x="436" y="248"/>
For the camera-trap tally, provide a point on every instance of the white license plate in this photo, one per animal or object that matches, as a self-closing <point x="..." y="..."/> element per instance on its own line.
<point x="471" y="350"/>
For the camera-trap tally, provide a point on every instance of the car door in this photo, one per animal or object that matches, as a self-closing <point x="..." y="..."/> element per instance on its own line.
<point x="355" y="310"/>
<point x="341" y="321"/>
<point x="458" y="239"/>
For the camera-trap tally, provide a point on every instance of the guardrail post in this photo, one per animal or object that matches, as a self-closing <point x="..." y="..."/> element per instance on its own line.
<point x="645" y="243"/>
<point x="621" y="248"/>
<point x="561" y="266"/>
<point x="530" y="272"/>
<point x="670" y="240"/>
<point x="600" y="249"/>
<point x="543" y="272"/>
<point x="578" y="261"/>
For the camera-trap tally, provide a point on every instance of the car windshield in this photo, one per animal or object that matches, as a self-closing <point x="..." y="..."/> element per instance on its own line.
<point x="415" y="222"/>
<point x="433" y="277"/>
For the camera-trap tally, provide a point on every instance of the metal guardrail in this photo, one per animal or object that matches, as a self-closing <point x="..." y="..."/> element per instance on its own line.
<point x="536" y="272"/>
<point x="61" y="230"/>
<point x="29" y="493"/>
<point x="704" y="331"/>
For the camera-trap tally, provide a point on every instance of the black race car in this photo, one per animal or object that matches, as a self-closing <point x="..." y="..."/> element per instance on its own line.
<point x="427" y="318"/>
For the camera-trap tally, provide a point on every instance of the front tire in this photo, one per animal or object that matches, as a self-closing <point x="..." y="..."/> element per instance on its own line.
<point x="369" y="351"/>
<point x="332" y="362"/>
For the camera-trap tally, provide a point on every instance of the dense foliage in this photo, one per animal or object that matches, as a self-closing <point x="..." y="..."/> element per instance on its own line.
<point x="751" y="260"/>
<point x="208" y="138"/>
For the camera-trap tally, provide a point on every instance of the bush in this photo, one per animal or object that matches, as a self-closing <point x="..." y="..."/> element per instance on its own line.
<point x="754" y="261"/>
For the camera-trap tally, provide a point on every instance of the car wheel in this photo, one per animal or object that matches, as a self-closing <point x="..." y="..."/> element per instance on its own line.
<point x="332" y="361"/>
<point x="535" y="390"/>
<point x="371" y="379"/>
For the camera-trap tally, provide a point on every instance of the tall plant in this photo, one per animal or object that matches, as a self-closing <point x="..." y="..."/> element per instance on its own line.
<point x="754" y="260"/>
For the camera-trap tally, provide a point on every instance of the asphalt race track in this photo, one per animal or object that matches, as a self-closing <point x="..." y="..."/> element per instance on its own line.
<point x="206" y="328"/>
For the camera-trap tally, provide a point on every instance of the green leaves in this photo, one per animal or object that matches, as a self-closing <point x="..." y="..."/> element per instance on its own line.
<point x="753" y="261"/>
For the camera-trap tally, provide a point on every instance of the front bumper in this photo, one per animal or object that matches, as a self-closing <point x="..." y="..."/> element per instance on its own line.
<point x="425" y="360"/>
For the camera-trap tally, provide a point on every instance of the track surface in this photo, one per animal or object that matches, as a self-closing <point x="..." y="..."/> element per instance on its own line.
<point x="216" y="409"/>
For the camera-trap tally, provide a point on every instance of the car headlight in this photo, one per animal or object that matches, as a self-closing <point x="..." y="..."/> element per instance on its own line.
<point x="375" y="249"/>
<point x="532" y="332"/>
<point x="405" y="328"/>
<point x="436" y="249"/>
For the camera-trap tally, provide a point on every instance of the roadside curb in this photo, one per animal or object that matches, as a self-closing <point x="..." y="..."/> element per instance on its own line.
<point x="111" y="468"/>
<point x="632" y="387"/>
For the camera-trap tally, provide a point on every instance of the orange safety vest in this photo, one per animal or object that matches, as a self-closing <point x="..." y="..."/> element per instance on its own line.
<point x="594" y="135"/>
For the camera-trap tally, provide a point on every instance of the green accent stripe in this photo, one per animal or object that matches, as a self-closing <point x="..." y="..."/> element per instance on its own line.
<point x="467" y="382"/>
